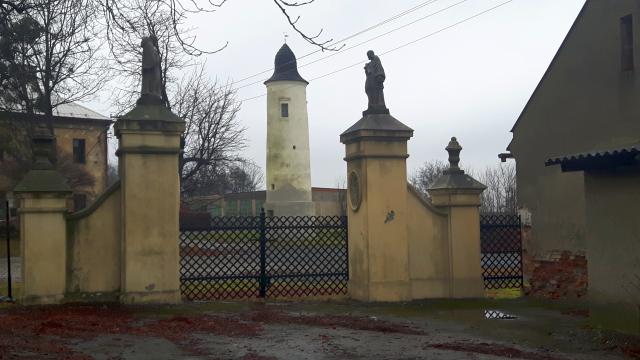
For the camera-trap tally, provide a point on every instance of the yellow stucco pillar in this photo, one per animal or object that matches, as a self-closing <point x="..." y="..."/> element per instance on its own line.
<point x="459" y="194"/>
<point x="148" y="153"/>
<point x="376" y="153"/>
<point x="42" y="196"/>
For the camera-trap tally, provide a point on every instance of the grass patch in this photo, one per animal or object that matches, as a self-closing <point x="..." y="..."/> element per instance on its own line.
<point x="274" y="236"/>
<point x="16" y="290"/>
<point x="237" y="289"/>
<point x="512" y="293"/>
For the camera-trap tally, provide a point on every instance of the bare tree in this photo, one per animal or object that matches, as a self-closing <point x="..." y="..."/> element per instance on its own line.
<point x="76" y="174"/>
<point x="341" y="185"/>
<point x="245" y="176"/>
<point x="146" y="18"/>
<point x="422" y="178"/>
<point x="500" y="195"/>
<point x="51" y="54"/>
<point x="7" y="7"/>
<point x="213" y="136"/>
<point x="119" y="17"/>
<point x="241" y="176"/>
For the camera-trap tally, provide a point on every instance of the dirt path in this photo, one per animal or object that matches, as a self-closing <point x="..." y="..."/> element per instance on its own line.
<point x="327" y="330"/>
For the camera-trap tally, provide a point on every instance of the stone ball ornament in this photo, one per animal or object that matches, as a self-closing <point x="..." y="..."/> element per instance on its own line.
<point x="355" y="191"/>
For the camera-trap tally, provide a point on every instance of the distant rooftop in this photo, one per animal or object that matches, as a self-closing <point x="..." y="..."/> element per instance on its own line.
<point x="285" y="66"/>
<point x="76" y="110"/>
<point x="71" y="110"/>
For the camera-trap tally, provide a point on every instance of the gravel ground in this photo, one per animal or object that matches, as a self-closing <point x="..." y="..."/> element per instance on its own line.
<point x="309" y="330"/>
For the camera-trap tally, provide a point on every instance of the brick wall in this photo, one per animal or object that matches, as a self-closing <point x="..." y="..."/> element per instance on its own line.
<point x="555" y="275"/>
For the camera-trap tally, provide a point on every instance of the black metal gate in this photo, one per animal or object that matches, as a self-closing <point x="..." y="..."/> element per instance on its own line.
<point x="501" y="244"/>
<point x="260" y="256"/>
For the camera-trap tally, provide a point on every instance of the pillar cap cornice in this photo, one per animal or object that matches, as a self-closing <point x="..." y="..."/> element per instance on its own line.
<point x="43" y="181"/>
<point x="377" y="127"/>
<point x="454" y="178"/>
<point x="145" y="111"/>
<point x="149" y="118"/>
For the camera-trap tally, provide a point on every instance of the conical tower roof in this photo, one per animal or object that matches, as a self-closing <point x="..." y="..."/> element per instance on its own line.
<point x="286" y="66"/>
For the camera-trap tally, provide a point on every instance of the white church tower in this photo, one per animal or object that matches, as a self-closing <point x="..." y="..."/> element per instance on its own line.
<point x="288" y="164"/>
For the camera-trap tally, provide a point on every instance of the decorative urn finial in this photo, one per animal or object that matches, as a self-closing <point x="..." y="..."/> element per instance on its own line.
<point x="454" y="149"/>
<point x="42" y="149"/>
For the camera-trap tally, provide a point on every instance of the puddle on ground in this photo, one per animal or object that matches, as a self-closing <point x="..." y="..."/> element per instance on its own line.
<point x="498" y="315"/>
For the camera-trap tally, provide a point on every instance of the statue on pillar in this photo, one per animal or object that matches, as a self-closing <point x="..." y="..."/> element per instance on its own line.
<point x="374" y="85"/>
<point x="151" y="76"/>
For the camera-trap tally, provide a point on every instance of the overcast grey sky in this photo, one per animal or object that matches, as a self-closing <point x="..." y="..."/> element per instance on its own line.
<point x="471" y="80"/>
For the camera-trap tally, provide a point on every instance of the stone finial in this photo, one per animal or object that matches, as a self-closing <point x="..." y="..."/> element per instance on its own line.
<point x="454" y="148"/>
<point x="42" y="149"/>
<point x="454" y="177"/>
<point x="43" y="177"/>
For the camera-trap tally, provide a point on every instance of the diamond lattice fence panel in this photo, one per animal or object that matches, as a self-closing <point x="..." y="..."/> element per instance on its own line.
<point x="306" y="256"/>
<point x="221" y="261"/>
<point x="247" y="257"/>
<point x="501" y="244"/>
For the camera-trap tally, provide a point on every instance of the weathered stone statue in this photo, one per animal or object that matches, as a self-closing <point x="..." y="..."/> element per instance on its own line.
<point x="151" y="78"/>
<point x="374" y="85"/>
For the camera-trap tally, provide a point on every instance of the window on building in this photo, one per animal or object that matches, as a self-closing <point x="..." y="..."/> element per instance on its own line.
<point x="79" y="201"/>
<point x="626" y="37"/>
<point x="79" y="151"/>
<point x="284" y="110"/>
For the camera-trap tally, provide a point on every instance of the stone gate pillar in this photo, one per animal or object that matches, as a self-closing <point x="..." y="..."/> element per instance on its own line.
<point x="459" y="194"/>
<point x="376" y="153"/>
<point x="42" y="204"/>
<point x="149" y="149"/>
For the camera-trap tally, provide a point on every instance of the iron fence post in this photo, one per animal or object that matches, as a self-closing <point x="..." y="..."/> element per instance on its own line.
<point x="8" y="233"/>
<point x="263" y="254"/>
<point x="521" y="253"/>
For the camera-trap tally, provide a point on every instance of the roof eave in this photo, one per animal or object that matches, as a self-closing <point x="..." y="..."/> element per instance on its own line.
<point x="551" y="64"/>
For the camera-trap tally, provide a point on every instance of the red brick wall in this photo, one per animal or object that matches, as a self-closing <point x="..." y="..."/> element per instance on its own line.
<point x="557" y="275"/>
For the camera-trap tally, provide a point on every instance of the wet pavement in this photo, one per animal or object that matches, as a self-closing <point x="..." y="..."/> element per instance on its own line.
<point x="447" y="330"/>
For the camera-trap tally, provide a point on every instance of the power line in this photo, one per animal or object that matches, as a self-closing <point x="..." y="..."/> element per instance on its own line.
<point x="390" y="19"/>
<point x="401" y="46"/>
<point x="367" y="41"/>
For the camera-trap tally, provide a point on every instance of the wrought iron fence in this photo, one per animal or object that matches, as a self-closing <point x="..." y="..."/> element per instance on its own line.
<point x="260" y="256"/>
<point x="501" y="246"/>
<point x="9" y="230"/>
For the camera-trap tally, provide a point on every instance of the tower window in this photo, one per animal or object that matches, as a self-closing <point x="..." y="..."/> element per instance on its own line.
<point x="78" y="151"/>
<point x="626" y="37"/>
<point x="284" y="110"/>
